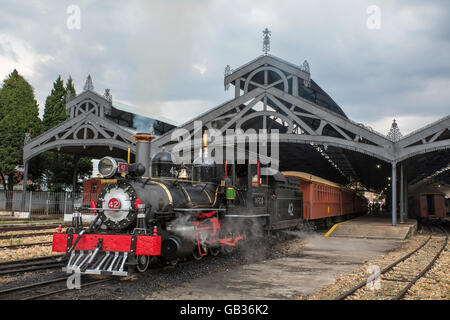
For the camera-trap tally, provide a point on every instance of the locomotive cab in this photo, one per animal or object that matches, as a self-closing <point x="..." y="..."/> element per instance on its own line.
<point x="271" y="198"/>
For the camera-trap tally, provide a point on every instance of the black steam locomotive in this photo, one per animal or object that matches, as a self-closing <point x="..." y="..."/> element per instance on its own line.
<point x="175" y="212"/>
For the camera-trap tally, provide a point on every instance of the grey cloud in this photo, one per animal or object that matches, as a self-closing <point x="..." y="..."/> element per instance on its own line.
<point x="144" y="51"/>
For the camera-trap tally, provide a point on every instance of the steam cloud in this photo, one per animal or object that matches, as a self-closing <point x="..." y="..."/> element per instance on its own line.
<point x="143" y="124"/>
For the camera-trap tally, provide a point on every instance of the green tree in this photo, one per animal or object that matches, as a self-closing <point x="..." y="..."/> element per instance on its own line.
<point x="70" y="89"/>
<point x="19" y="113"/>
<point x="54" y="112"/>
<point x="59" y="167"/>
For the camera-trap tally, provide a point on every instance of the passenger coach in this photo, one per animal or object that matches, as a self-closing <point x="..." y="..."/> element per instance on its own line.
<point x="327" y="202"/>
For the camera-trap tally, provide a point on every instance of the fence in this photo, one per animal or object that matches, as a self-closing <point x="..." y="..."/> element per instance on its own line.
<point x="41" y="203"/>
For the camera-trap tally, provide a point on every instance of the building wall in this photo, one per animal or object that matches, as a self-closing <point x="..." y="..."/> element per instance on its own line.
<point x="91" y="189"/>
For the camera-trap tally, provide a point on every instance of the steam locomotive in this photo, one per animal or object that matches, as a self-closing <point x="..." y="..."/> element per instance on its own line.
<point x="175" y="212"/>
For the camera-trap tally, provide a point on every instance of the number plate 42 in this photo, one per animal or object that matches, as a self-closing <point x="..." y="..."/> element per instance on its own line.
<point x="114" y="203"/>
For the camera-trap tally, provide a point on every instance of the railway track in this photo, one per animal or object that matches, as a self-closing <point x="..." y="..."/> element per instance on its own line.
<point x="40" y="289"/>
<point x="25" y="245"/>
<point x="56" y="286"/>
<point x="396" y="279"/>
<point x="32" y="227"/>
<point x="19" y="220"/>
<point x="45" y="289"/>
<point x="33" y="264"/>
<point x="24" y="235"/>
<point x="48" y="288"/>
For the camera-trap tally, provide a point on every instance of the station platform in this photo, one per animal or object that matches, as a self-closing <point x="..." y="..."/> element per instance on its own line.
<point x="374" y="226"/>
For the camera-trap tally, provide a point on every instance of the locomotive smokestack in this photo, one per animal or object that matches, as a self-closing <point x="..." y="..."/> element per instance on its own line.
<point x="143" y="150"/>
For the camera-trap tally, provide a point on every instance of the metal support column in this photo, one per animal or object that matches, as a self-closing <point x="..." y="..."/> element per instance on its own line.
<point x="74" y="182"/>
<point x="405" y="184"/>
<point x="75" y="173"/>
<point x="24" y="186"/>
<point x="237" y="88"/>
<point x="394" y="193"/>
<point x="402" y="193"/>
<point x="30" y="203"/>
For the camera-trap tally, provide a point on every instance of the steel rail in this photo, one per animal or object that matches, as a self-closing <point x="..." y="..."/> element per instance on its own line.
<point x="27" y="264"/>
<point x="28" y="260"/>
<point x="51" y="265"/>
<point x="26" y="235"/>
<point x="33" y="264"/>
<point x="32" y="227"/>
<point x="27" y="245"/>
<point x="363" y="283"/>
<point x="47" y="294"/>
<point x="33" y="285"/>
<point x="403" y="292"/>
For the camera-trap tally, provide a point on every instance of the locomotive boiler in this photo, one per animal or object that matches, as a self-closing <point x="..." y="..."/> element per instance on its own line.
<point x="162" y="212"/>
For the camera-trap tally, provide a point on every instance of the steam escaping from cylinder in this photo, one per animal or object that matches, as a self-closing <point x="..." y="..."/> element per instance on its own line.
<point x="181" y="242"/>
<point x="183" y="226"/>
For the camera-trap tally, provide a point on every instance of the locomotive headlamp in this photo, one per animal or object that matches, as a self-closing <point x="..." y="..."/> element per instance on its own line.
<point x="107" y="167"/>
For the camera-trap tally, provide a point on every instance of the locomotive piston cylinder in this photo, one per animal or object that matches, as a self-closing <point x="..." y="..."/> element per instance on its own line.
<point x="174" y="246"/>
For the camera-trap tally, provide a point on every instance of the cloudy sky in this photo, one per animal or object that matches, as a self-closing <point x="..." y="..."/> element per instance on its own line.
<point x="168" y="57"/>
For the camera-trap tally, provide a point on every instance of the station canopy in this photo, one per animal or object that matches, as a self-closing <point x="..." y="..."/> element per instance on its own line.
<point x="97" y="127"/>
<point x="315" y="134"/>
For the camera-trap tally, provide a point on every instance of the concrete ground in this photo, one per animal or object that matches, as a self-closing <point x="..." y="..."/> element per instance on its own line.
<point x="374" y="226"/>
<point x="315" y="263"/>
